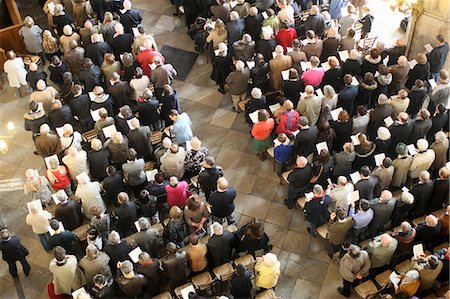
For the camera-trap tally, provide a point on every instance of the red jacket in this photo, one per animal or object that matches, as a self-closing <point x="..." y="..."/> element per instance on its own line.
<point x="177" y="196"/>
<point x="282" y="126"/>
<point x="285" y="37"/>
<point x="262" y="129"/>
<point x="145" y="58"/>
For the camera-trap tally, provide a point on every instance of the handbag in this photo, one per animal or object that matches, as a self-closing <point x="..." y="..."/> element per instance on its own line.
<point x="314" y="178"/>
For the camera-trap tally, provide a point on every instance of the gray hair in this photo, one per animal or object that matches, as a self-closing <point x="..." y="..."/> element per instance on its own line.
<point x="317" y="189"/>
<point x="143" y="223"/>
<point x="256" y="93"/>
<point x="92" y="252"/>
<point x="114" y="237"/>
<point x="234" y="15"/>
<point x="126" y="267"/>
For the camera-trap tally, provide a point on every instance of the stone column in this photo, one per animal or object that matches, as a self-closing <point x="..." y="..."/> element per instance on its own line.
<point x="424" y="28"/>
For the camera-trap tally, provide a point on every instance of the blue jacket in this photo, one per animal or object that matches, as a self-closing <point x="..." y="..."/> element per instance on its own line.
<point x="335" y="8"/>
<point x="182" y="128"/>
<point x="283" y="152"/>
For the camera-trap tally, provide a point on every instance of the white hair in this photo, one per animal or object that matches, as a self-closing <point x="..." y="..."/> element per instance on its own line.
<point x="383" y="133"/>
<point x="118" y="28"/>
<point x="67" y="30"/>
<point x="407" y="198"/>
<point x="422" y="145"/>
<point x="217" y="228"/>
<point x="402" y="60"/>
<point x="44" y="129"/>
<point x="239" y="65"/>
<point x="135" y="123"/>
<point x="96" y="144"/>
<point x="256" y="93"/>
<point x="309" y="89"/>
<point x="279" y="50"/>
<point x="439" y="136"/>
<point x="234" y="15"/>
<point x="114" y="237"/>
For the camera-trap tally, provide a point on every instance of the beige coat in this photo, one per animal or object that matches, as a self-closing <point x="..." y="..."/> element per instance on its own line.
<point x="398" y="104"/>
<point x="65" y="41"/>
<point x="349" y="266"/>
<point x="310" y="107"/>
<point x="46" y="97"/>
<point x="421" y="161"/>
<point x="401" y="169"/>
<point x="427" y="275"/>
<point x="68" y="277"/>
<point x="276" y="66"/>
<point x="95" y="266"/>
<point x="440" y="149"/>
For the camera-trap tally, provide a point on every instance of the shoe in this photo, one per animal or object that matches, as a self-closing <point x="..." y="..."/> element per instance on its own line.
<point x="341" y="291"/>
<point x="222" y="91"/>
<point x="287" y="205"/>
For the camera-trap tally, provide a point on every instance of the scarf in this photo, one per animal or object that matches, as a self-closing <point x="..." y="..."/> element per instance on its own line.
<point x="289" y="119"/>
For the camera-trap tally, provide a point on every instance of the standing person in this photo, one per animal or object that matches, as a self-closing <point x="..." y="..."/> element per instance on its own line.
<point x="241" y="284"/>
<point x="267" y="271"/>
<point x="13" y="251"/>
<point x="208" y="176"/>
<point x="438" y="56"/>
<point x="37" y="187"/>
<point x="219" y="245"/>
<point x="222" y="202"/>
<point x="89" y="194"/>
<point x="353" y="267"/>
<point x="32" y="36"/>
<point x="38" y="219"/>
<point x="261" y="133"/>
<point x="181" y="126"/>
<point x="162" y="74"/>
<point x="133" y="172"/>
<point x="238" y="83"/>
<point x="17" y="74"/>
<point x="221" y="66"/>
<point x="366" y="20"/>
<point x="67" y="276"/>
<point x="175" y="265"/>
<point x="298" y="181"/>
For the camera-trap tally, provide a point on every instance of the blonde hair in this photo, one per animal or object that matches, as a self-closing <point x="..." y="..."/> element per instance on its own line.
<point x="333" y="61"/>
<point x="117" y="138"/>
<point x="49" y="42"/>
<point x="421" y="58"/>
<point x="220" y="27"/>
<point x="67" y="130"/>
<point x="28" y="22"/>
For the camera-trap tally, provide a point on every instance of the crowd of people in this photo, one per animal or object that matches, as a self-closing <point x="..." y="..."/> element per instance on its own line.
<point x="360" y="132"/>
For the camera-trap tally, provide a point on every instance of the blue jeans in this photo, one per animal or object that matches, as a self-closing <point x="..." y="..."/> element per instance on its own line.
<point x="44" y="242"/>
<point x="293" y="194"/>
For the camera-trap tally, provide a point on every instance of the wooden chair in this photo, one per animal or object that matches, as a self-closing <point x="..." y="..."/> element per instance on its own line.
<point x="366" y="44"/>
<point x="383" y="278"/>
<point x="271" y="152"/>
<point x="439" y="247"/>
<point x="403" y="267"/>
<point x="224" y="272"/>
<point x="181" y="287"/>
<point x="301" y="203"/>
<point x="285" y="175"/>
<point x="419" y="220"/>
<point x="81" y="232"/>
<point x="365" y="243"/>
<point x="365" y="289"/>
<point x="247" y="261"/>
<point x="439" y="212"/>
<point x="89" y="135"/>
<point x="165" y="295"/>
<point x="203" y="282"/>
<point x="156" y="137"/>
<point x="323" y="231"/>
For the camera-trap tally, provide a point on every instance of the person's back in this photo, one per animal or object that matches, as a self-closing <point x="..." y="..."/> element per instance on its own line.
<point x="148" y="241"/>
<point x="381" y="252"/>
<point x="113" y="185"/>
<point x="69" y="213"/>
<point x="300" y="177"/>
<point x="176" y="267"/>
<point x="220" y="247"/>
<point x="126" y="215"/>
<point x="222" y="202"/>
<point x="241" y="284"/>
<point x="65" y="239"/>
<point x="66" y="276"/>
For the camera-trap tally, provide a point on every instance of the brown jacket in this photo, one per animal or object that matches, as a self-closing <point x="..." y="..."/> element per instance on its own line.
<point x="47" y="145"/>
<point x="74" y="59"/>
<point x="197" y="257"/>
<point x="276" y="66"/>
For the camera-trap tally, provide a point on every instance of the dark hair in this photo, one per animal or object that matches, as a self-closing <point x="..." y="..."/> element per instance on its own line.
<point x="374" y="53"/>
<point x="210" y="161"/>
<point x="441" y="108"/>
<point x="383" y="70"/>
<point x="343" y="116"/>
<point x="361" y="109"/>
<point x="293" y="74"/>
<point x="99" y="279"/>
<point x="110" y="170"/>
<point x="347" y="79"/>
<point x="60" y="253"/>
<point x="55" y="60"/>
<point x="132" y="154"/>
<point x="192" y="203"/>
<point x="77" y="88"/>
<point x="173" y="112"/>
<point x="341" y="213"/>
<point x="324" y="155"/>
<point x="387" y="162"/>
<point x="33" y="106"/>
<point x="440" y="38"/>
<point x="364" y="204"/>
<point x="262" y="116"/>
<point x="54" y="224"/>
<point x="351" y="32"/>
<point x="144" y="196"/>
<point x="255" y="229"/>
<point x="365" y="170"/>
<point x="310" y="34"/>
<point x="159" y="177"/>
<point x="368" y="78"/>
<point x="240" y="269"/>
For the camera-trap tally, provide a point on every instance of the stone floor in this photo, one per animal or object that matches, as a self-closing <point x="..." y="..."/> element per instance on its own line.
<point x="306" y="270"/>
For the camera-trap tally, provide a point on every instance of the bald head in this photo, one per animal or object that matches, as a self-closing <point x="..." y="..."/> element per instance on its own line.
<point x="301" y="161"/>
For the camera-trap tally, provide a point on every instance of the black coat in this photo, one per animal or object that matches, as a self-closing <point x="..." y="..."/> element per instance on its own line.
<point x="12" y="250"/>
<point x="176" y="232"/>
<point x="253" y="26"/>
<point x="420" y="71"/>
<point x="394" y="53"/>
<point x="97" y="51"/>
<point x="366" y="187"/>
<point x="346" y="98"/>
<point x="315" y="23"/>
<point x="59" y="118"/>
<point x="69" y="214"/>
<point x="153" y="275"/>
<point x="121" y="44"/>
<point x="438" y="122"/>
<point x="299" y="177"/>
<point x="117" y="253"/>
<point x="140" y="140"/>
<point x="241" y="286"/>
<point x="343" y="131"/>
<point x="222" y="203"/>
<point x="113" y="185"/>
<point x="33" y="121"/>
<point x="292" y="90"/>
<point x="426" y="235"/>
<point x="439" y="196"/>
<point x="377" y="117"/>
<point x="316" y="210"/>
<point x="382" y="146"/>
<point x="105" y="102"/>
<point x="369" y="67"/>
<point x="65" y="239"/>
<point x="382" y="212"/>
<point x="98" y="161"/>
<point x="364" y="96"/>
<point x="333" y="77"/>
<point x="221" y="68"/>
<point x="220" y="248"/>
<point x="81" y="107"/>
<point x="56" y="73"/>
<point x="130" y="19"/>
<point x="399" y="133"/>
<point x="422" y="194"/>
<point x="330" y="48"/>
<point x="148" y="112"/>
<point x="208" y="178"/>
<point x="235" y="31"/>
<point x="100" y="7"/>
<point x="420" y="130"/>
<point x="437" y="58"/>
<point x="169" y="102"/>
<point x="61" y="21"/>
<point x="126" y="215"/>
<point x="416" y="98"/>
<point x="33" y="77"/>
<point x="266" y="47"/>
<point x="352" y="67"/>
<point x="305" y="141"/>
<point x="91" y="77"/>
<point x="400" y="213"/>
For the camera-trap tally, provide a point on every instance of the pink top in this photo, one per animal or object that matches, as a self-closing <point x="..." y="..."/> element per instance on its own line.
<point x="177" y="196"/>
<point x="313" y="77"/>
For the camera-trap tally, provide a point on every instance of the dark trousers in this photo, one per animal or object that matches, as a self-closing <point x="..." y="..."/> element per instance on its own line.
<point x="293" y="195"/>
<point x="347" y="287"/>
<point x="13" y="267"/>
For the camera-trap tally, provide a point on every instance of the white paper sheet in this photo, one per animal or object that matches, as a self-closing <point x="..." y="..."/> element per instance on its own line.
<point x="295" y="133"/>
<point x="356" y="177"/>
<point x="136" y="32"/>
<point x="418" y="250"/>
<point x="91" y="96"/>
<point x="319" y="93"/>
<point x="250" y="64"/>
<point x="47" y="160"/>
<point x="428" y="47"/>
<point x="51" y="7"/>
<point x="335" y="113"/>
<point x="274" y="107"/>
<point x="81" y="291"/>
<point x="152" y="66"/>
<point x="151" y="174"/>
<point x="306" y="65"/>
<point x="95" y="114"/>
<point x="352" y="197"/>
<point x="276" y="142"/>
<point x="321" y="146"/>
<point x="59" y="131"/>
<point x="83" y="177"/>
<point x="129" y="123"/>
<point x="388" y="121"/>
<point x="289" y="49"/>
<point x="264" y="15"/>
<point x="412" y="63"/>
<point x="52" y="232"/>
<point x="216" y="52"/>
<point x="185" y="292"/>
<point x="344" y="55"/>
<point x="136" y="224"/>
<point x="254" y="116"/>
<point x="379" y="159"/>
<point x="267" y="28"/>
<point x="355" y="81"/>
<point x="109" y="130"/>
<point x="285" y="75"/>
<point x="412" y="149"/>
<point x="274" y="55"/>
<point x="433" y="83"/>
<point x="134" y="254"/>
<point x="405" y="189"/>
<point x="309" y="195"/>
<point x="395" y="279"/>
<point x="326" y="66"/>
<point x="355" y="139"/>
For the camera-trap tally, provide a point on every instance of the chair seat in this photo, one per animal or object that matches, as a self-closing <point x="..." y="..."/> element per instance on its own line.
<point x="268" y="294"/>
<point x="365" y="243"/>
<point x="323" y="231"/>
<point x="383" y="278"/>
<point x="247" y="261"/>
<point x="156" y="137"/>
<point x="89" y="135"/>
<point x="165" y="295"/>
<point x="223" y="272"/>
<point x="285" y="176"/>
<point x="403" y="267"/>
<point x="81" y="232"/>
<point x="181" y="287"/>
<point x="271" y="152"/>
<point x="202" y="281"/>
<point x="301" y="203"/>
<point x="365" y="289"/>
<point x="231" y="228"/>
